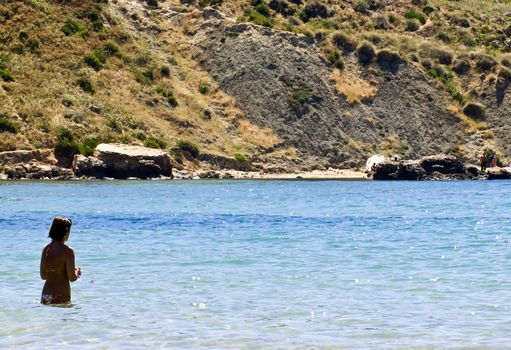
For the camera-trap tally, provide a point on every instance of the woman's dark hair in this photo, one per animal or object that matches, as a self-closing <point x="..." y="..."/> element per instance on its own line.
<point x="59" y="228"/>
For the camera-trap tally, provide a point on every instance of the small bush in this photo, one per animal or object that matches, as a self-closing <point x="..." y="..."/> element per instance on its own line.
<point x="412" y="25"/>
<point x="203" y="88"/>
<point x="462" y="66"/>
<point x="485" y="63"/>
<point x="474" y="110"/>
<point x="169" y="96"/>
<point x="428" y="10"/>
<point x="240" y="157"/>
<point x="8" y="126"/>
<point x="343" y="41"/>
<point x="506" y="61"/>
<point x="388" y="60"/>
<point x="213" y="3"/>
<point x="88" y="146"/>
<point x="66" y="146"/>
<point x="259" y="19"/>
<point x="72" y="27"/>
<point x="154" y="142"/>
<point x="189" y="147"/>
<point x="86" y="85"/>
<point x="165" y="71"/>
<point x="95" y="59"/>
<point x="361" y="6"/>
<point x="263" y="9"/>
<point x="6" y="74"/>
<point x="152" y="3"/>
<point x="412" y="14"/>
<point x="332" y="56"/>
<point x="315" y="9"/>
<point x="444" y="37"/>
<point x="145" y="77"/>
<point x="366" y="53"/>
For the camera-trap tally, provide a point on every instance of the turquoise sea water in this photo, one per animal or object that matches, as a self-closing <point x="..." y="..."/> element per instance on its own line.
<point x="262" y="264"/>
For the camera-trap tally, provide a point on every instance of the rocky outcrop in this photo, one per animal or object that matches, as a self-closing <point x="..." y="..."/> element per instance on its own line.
<point x="37" y="171"/>
<point x="45" y="156"/>
<point x="31" y="164"/>
<point x="437" y="167"/>
<point x="499" y="173"/>
<point x="124" y="161"/>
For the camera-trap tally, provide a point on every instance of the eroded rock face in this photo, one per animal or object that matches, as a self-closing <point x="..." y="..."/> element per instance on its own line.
<point x="37" y="171"/>
<point x="25" y="156"/>
<point x="124" y="161"/>
<point x="280" y="81"/>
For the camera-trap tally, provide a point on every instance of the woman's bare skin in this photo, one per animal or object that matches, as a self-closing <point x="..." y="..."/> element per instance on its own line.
<point x="58" y="270"/>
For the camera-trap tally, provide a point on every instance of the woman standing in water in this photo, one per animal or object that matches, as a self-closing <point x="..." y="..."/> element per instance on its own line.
<point x="58" y="264"/>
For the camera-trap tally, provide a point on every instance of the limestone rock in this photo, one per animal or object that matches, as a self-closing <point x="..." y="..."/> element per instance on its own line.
<point x="443" y="164"/>
<point x="123" y="161"/>
<point x="25" y="156"/>
<point x="88" y="167"/>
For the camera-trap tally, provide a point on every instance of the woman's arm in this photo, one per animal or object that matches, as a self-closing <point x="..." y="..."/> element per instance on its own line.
<point x="42" y="266"/>
<point x="70" y="266"/>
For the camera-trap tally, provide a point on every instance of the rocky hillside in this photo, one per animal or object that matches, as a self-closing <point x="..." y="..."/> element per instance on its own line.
<point x="285" y="84"/>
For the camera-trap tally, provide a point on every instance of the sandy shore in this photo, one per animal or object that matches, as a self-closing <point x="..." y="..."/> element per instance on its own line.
<point x="332" y="174"/>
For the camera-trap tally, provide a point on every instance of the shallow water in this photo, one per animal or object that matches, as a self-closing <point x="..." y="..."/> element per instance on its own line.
<point x="262" y="264"/>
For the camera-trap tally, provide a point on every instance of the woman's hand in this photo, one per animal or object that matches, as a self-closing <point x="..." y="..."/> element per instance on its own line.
<point x="78" y="271"/>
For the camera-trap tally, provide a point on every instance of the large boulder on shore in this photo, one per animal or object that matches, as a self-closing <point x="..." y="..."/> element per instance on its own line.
<point x="499" y="173"/>
<point x="123" y="161"/>
<point x="436" y="167"/>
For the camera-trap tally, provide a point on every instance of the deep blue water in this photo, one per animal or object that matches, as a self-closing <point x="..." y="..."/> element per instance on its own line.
<point x="262" y="264"/>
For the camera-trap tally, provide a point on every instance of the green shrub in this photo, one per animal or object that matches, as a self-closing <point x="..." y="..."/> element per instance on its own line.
<point x="88" y="146"/>
<point x="86" y="85"/>
<point x="76" y="117"/>
<point x="333" y="56"/>
<point x="72" y="27"/>
<point x="506" y="61"/>
<point x="412" y="14"/>
<point x="32" y="45"/>
<point x="96" y="59"/>
<point x="343" y="41"/>
<point x="203" y="88"/>
<point x="445" y="76"/>
<point x="6" y="74"/>
<point x="189" y="147"/>
<point x="168" y="94"/>
<point x="240" y="157"/>
<point x="154" y="142"/>
<point x="259" y="19"/>
<point x="339" y="64"/>
<point x="263" y="9"/>
<point x="66" y="146"/>
<point x="8" y="126"/>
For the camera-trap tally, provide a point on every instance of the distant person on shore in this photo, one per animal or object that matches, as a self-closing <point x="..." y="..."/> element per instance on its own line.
<point x="58" y="264"/>
<point x="491" y="160"/>
<point x="484" y="162"/>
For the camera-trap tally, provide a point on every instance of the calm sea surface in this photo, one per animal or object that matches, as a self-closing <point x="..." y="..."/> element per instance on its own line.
<point x="262" y="264"/>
